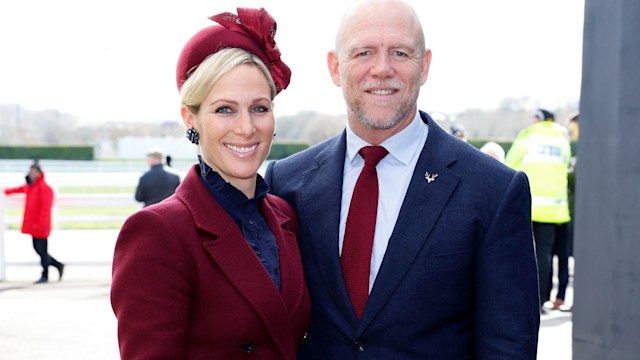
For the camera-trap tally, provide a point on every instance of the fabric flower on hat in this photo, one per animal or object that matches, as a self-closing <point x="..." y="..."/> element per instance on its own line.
<point x="253" y="30"/>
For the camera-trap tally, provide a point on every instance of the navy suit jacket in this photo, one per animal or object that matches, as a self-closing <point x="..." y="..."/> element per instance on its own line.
<point x="458" y="279"/>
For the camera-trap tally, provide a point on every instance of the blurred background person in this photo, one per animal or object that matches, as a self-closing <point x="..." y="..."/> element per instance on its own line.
<point x="543" y="152"/>
<point x="157" y="183"/>
<point x="564" y="251"/>
<point x="494" y="150"/>
<point x="37" y="217"/>
<point x="458" y="131"/>
<point x="574" y="127"/>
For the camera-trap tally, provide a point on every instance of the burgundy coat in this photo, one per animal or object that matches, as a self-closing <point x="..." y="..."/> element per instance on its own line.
<point x="187" y="285"/>
<point x="37" y="208"/>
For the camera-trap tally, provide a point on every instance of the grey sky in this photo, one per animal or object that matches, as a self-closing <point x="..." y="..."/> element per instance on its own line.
<point x="115" y="60"/>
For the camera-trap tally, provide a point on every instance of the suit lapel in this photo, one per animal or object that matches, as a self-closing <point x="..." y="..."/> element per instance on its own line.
<point x="420" y="210"/>
<point x="228" y="248"/>
<point x="322" y="196"/>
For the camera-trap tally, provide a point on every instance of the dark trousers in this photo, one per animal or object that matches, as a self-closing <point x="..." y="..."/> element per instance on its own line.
<point x="46" y="260"/>
<point x="562" y="251"/>
<point x="546" y="236"/>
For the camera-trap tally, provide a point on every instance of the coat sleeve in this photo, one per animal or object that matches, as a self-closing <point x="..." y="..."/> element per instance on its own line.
<point x="16" y="190"/>
<point x="140" y="194"/>
<point x="150" y="289"/>
<point x="506" y="281"/>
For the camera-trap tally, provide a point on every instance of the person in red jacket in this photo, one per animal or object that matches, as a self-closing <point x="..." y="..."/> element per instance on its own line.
<point x="37" y="217"/>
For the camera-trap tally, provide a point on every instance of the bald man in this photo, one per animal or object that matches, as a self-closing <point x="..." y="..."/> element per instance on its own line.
<point x="449" y="267"/>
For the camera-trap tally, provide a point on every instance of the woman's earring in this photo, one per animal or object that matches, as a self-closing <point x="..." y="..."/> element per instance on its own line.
<point x="192" y="135"/>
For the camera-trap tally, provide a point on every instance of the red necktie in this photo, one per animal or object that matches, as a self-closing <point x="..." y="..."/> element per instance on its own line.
<point x="361" y="225"/>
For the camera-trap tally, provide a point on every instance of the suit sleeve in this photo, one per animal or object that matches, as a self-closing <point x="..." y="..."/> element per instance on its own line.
<point x="506" y="286"/>
<point x="268" y="176"/>
<point x="150" y="289"/>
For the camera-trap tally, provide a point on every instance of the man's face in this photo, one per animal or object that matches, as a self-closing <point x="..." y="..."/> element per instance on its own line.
<point x="380" y="63"/>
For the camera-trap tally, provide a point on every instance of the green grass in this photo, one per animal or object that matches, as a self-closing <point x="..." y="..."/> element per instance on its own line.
<point x="97" y="190"/>
<point x="88" y="211"/>
<point x="107" y="225"/>
<point x="97" y="210"/>
<point x="13" y="211"/>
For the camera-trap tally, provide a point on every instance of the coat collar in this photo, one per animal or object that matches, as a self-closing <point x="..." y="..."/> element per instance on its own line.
<point x="225" y="245"/>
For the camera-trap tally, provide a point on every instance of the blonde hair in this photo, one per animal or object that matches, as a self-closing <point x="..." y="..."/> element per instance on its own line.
<point x="197" y="86"/>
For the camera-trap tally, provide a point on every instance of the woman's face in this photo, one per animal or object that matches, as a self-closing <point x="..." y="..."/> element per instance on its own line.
<point x="34" y="174"/>
<point x="235" y="125"/>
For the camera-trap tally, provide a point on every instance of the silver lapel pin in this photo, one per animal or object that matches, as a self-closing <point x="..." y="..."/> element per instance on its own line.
<point x="430" y="178"/>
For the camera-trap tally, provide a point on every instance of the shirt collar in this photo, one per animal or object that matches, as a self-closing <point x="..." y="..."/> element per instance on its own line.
<point x="402" y="146"/>
<point x="230" y="192"/>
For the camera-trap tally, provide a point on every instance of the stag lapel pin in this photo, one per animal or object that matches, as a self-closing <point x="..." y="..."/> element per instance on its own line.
<point x="430" y="177"/>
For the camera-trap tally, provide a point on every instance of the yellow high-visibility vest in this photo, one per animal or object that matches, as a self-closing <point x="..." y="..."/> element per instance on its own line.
<point x="542" y="151"/>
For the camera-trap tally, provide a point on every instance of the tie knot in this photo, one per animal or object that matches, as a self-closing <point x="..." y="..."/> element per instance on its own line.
<point x="373" y="154"/>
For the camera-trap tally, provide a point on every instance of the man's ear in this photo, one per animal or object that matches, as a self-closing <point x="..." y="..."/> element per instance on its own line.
<point x="334" y="67"/>
<point x="424" y="66"/>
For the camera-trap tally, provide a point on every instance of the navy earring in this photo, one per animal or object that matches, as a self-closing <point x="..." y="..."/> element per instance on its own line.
<point x="192" y="135"/>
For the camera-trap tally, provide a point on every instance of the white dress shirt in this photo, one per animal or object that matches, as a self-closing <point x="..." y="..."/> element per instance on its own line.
<point x="394" y="174"/>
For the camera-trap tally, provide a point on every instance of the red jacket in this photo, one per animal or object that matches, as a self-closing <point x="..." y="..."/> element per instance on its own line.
<point x="37" y="209"/>
<point x="187" y="285"/>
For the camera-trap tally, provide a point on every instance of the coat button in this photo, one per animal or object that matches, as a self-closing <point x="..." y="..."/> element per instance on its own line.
<point x="358" y="346"/>
<point x="305" y="338"/>
<point x="247" y="347"/>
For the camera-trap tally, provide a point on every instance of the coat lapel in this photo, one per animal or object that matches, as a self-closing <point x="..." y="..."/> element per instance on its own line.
<point x="322" y="196"/>
<point x="228" y="248"/>
<point x="292" y="285"/>
<point x="420" y="210"/>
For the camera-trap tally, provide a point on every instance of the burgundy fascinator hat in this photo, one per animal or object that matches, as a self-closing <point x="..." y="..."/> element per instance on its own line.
<point x="252" y="30"/>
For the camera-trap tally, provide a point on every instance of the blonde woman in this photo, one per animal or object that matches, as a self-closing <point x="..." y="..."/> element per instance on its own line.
<point x="214" y="271"/>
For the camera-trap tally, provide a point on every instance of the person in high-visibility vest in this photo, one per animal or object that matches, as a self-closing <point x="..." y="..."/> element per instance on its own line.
<point x="543" y="152"/>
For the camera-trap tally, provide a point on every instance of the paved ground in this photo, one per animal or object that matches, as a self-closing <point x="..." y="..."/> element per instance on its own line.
<point x="72" y="319"/>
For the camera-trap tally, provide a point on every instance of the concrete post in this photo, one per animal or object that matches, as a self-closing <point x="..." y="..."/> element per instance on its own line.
<point x="606" y="320"/>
